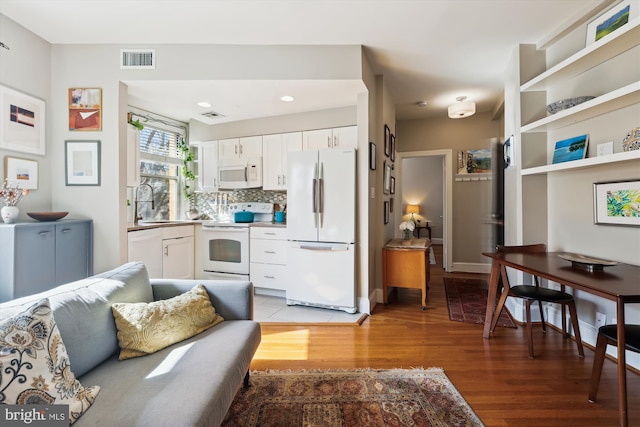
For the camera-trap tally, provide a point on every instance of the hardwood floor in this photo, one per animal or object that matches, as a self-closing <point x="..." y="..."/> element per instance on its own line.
<point x="495" y="376"/>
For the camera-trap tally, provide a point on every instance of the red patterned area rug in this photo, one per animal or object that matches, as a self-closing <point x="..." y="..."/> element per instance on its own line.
<point x="350" y="398"/>
<point x="467" y="301"/>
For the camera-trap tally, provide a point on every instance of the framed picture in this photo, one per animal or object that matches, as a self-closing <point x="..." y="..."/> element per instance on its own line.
<point x="22" y="122"/>
<point x="82" y="162"/>
<point x="474" y="161"/>
<point x="387" y="140"/>
<point x="612" y="20"/>
<point x="571" y="149"/>
<point x="391" y="204"/>
<point x="392" y="147"/>
<point x="22" y="172"/>
<point x="386" y="212"/>
<point x="85" y="109"/>
<point x="372" y="156"/>
<point x="386" y="177"/>
<point x="392" y="187"/>
<point x="617" y="203"/>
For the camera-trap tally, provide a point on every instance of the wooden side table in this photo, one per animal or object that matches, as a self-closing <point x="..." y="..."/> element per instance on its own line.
<point x="405" y="264"/>
<point x="422" y="226"/>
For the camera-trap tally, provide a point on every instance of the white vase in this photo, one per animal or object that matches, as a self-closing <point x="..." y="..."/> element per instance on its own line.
<point x="9" y="214"/>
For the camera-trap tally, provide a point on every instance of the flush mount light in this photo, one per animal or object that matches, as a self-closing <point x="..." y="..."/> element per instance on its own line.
<point x="204" y="104"/>
<point x="421" y="104"/>
<point x="462" y="108"/>
<point x="287" y="98"/>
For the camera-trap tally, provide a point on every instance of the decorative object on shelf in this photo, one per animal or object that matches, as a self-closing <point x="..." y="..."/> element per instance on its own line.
<point x="563" y="104"/>
<point x="587" y="263"/>
<point x="85" y="109"/>
<point x="82" y="163"/>
<point x="570" y="149"/>
<point x="386" y="177"/>
<point x="631" y="142"/>
<point x="47" y="216"/>
<point x="462" y="108"/>
<point x="11" y="196"/>
<point x="605" y="149"/>
<point x="474" y="161"/>
<point x="617" y="203"/>
<point x="407" y="228"/>
<point x="387" y="140"/>
<point x="22" y="122"/>
<point x="372" y="156"/>
<point x="611" y="20"/>
<point x="386" y="212"/>
<point x="23" y="171"/>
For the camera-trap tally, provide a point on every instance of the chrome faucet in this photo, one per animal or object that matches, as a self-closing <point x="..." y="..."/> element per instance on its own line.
<point x="153" y="203"/>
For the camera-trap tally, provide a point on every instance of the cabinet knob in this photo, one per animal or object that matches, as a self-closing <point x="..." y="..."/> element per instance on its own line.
<point x="44" y="233"/>
<point x="329" y="142"/>
<point x="66" y="230"/>
<point x="335" y="141"/>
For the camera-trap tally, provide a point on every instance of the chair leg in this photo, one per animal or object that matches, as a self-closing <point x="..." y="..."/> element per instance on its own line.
<point x="596" y="371"/>
<point x="573" y="313"/>
<point x="565" y="331"/>
<point x="530" y="328"/>
<point x="544" y="323"/>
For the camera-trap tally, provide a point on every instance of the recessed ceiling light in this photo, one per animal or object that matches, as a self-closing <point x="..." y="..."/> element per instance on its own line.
<point x="204" y="104"/>
<point x="287" y="98"/>
<point x="421" y="104"/>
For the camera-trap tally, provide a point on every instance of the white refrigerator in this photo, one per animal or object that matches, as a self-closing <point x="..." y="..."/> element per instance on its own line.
<point x="321" y="229"/>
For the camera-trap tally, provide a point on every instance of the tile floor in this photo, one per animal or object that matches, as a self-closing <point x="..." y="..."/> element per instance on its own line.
<point x="268" y="308"/>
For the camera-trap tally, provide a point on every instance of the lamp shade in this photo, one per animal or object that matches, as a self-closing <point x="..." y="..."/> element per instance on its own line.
<point x="462" y="108"/>
<point x="413" y="209"/>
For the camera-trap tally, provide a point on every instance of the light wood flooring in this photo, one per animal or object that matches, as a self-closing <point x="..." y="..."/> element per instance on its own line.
<point x="495" y="376"/>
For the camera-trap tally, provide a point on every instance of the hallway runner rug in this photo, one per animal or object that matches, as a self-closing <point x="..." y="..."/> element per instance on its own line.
<point x="467" y="301"/>
<point x="350" y="398"/>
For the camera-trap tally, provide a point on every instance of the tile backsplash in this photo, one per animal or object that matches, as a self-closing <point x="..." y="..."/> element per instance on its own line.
<point x="236" y="196"/>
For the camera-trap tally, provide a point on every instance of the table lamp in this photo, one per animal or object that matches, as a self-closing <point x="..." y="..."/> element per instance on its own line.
<point x="413" y="209"/>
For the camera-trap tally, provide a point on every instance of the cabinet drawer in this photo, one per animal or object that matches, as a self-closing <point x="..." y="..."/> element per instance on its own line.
<point x="268" y="276"/>
<point x="175" y="232"/>
<point x="268" y="251"/>
<point x="275" y="233"/>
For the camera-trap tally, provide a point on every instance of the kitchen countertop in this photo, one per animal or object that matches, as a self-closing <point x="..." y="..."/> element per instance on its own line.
<point x="145" y="225"/>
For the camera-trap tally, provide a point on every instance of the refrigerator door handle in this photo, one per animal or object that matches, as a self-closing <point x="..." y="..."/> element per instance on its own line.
<point x="321" y="194"/>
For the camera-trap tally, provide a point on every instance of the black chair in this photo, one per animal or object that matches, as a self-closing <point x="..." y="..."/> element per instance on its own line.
<point x="532" y="293"/>
<point x="608" y="334"/>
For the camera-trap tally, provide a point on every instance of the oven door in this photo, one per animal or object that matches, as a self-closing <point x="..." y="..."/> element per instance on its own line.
<point x="225" y="249"/>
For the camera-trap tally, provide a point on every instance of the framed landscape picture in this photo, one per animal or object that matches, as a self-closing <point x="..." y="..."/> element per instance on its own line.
<point x="617" y="203"/>
<point x="612" y="20"/>
<point x="571" y="149"/>
<point x="23" y="172"/>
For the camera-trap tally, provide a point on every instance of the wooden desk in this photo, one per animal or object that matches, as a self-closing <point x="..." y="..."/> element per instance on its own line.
<point x="405" y="264"/>
<point x="618" y="283"/>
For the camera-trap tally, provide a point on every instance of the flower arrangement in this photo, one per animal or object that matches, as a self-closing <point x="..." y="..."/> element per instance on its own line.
<point x="11" y="196"/>
<point x="407" y="228"/>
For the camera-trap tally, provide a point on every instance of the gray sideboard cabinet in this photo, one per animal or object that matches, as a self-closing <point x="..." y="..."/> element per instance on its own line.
<point x="36" y="256"/>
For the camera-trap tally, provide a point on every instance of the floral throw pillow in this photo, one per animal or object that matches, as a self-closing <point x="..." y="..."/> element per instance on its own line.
<point x="34" y="365"/>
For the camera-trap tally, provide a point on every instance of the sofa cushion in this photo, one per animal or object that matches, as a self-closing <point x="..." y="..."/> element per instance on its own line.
<point x="82" y="310"/>
<point x="144" y="328"/>
<point x="35" y="364"/>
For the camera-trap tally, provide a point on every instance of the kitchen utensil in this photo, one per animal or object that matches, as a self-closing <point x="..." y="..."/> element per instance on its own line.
<point x="243" y="216"/>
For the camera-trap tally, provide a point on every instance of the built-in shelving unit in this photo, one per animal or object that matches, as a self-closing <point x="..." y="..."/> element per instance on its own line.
<point x="576" y="164"/>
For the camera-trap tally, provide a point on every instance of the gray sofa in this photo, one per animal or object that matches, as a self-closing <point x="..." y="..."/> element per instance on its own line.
<point x="191" y="383"/>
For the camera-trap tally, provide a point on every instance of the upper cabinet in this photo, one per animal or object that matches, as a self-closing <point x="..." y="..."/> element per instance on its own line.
<point x="133" y="156"/>
<point x="275" y="149"/>
<point x="208" y="165"/>
<point x="322" y="139"/>
<point x="235" y="151"/>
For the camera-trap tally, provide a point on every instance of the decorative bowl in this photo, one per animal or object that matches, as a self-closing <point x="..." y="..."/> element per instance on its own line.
<point x="586" y="262"/>
<point x="554" y="107"/>
<point x="47" y="216"/>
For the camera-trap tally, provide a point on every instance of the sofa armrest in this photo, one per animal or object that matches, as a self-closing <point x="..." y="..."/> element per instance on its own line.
<point x="232" y="299"/>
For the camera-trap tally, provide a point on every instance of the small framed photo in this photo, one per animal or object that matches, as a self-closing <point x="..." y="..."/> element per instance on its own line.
<point x="571" y="149"/>
<point x="386" y="212"/>
<point x="392" y="148"/>
<point x="22" y="122"/>
<point x="611" y="20"/>
<point x="22" y="172"/>
<point x="387" y="141"/>
<point x="372" y="156"/>
<point x="617" y="203"/>
<point x="386" y="177"/>
<point x="392" y="188"/>
<point x="82" y="162"/>
<point x="85" y="109"/>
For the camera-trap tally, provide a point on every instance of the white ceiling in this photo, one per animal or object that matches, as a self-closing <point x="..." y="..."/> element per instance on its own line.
<point x="432" y="50"/>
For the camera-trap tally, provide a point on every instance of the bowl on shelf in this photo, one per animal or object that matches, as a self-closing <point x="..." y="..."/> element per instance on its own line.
<point x="563" y="104"/>
<point x="47" y="216"/>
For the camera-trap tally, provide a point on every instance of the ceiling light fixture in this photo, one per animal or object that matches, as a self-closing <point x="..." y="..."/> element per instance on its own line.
<point x="204" y="104"/>
<point x="421" y="104"/>
<point x="462" y="108"/>
<point x="287" y="98"/>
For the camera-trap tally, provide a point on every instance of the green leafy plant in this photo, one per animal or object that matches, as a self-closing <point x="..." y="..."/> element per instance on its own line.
<point x="185" y="153"/>
<point x="136" y="124"/>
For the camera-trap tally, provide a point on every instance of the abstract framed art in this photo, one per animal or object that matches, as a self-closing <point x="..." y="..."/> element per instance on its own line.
<point x="85" y="109"/>
<point x="617" y="203"/>
<point x="23" y="172"/>
<point x="22" y="122"/>
<point x="82" y="162"/>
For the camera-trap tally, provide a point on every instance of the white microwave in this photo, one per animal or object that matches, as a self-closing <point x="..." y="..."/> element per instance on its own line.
<point x="247" y="175"/>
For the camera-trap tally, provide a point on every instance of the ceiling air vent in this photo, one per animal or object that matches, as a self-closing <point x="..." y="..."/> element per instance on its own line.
<point x="211" y="114"/>
<point x="138" y="59"/>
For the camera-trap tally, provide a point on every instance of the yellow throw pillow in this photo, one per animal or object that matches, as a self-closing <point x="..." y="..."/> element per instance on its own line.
<point x="146" y="328"/>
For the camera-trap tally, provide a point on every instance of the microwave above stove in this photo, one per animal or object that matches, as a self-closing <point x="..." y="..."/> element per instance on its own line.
<point x="246" y="175"/>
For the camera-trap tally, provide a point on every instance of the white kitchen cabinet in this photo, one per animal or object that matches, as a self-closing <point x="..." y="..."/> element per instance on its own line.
<point x="234" y="151"/>
<point x="167" y="252"/>
<point x="275" y="149"/>
<point x="133" y="156"/>
<point x="268" y="255"/>
<point x="146" y="246"/>
<point x="319" y="139"/>
<point x="208" y="165"/>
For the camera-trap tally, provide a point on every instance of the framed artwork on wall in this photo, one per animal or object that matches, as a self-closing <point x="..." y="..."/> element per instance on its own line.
<point x="612" y="20"/>
<point x="392" y="147"/>
<point x="372" y="156"/>
<point x="22" y="122"/>
<point x="82" y="162"/>
<point x="85" y="109"/>
<point x="392" y="188"/>
<point x="617" y="203"/>
<point x="23" y="172"/>
<point x="386" y="177"/>
<point x="387" y="141"/>
<point x="386" y="212"/>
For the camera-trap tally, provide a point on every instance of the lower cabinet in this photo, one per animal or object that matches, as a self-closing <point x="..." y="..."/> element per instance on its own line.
<point x="268" y="255"/>
<point x="167" y="252"/>
<point x="36" y="256"/>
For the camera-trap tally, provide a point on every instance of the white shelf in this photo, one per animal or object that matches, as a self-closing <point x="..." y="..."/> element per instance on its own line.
<point x="584" y="163"/>
<point x="619" y="98"/>
<point x="619" y="41"/>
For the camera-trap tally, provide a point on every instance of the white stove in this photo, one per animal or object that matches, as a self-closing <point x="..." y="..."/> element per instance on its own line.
<point x="263" y="213"/>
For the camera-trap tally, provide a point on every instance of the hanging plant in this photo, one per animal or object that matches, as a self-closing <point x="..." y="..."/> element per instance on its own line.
<point x="184" y="151"/>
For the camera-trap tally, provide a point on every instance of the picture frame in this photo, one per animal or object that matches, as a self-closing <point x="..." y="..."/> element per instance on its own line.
<point x="391" y="205"/>
<point x="22" y="122"/>
<point x="372" y="156"/>
<point x="392" y="147"/>
<point x="386" y="212"/>
<point x="612" y="20"/>
<point x="23" y="172"/>
<point x="616" y="203"/>
<point x="85" y="109"/>
<point x="392" y="186"/>
<point x="386" y="177"/>
<point x="82" y="163"/>
<point x="570" y="149"/>
<point x="387" y="140"/>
